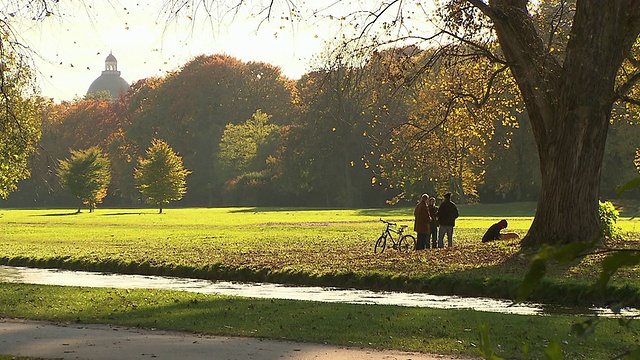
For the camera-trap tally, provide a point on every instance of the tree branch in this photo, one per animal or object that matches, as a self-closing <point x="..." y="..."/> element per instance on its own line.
<point x="624" y="89"/>
<point x="479" y="102"/>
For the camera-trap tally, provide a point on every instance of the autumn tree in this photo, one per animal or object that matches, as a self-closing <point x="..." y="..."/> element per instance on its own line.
<point x="85" y="123"/>
<point x="239" y="144"/>
<point x="86" y="175"/>
<point x="426" y="153"/>
<point x="80" y="124"/>
<point x="39" y="187"/>
<point x="391" y="98"/>
<point x="328" y="143"/>
<point x="20" y="112"/>
<point x="161" y="177"/>
<point x="242" y="158"/>
<point x="512" y="171"/>
<point x="569" y="108"/>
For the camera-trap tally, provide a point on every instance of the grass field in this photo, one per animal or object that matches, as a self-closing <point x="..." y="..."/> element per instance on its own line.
<point x="302" y="246"/>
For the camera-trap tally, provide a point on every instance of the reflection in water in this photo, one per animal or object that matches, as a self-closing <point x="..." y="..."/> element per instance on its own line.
<point x="274" y="291"/>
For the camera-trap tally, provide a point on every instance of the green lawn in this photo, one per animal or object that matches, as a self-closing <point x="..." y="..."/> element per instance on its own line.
<point x="303" y="246"/>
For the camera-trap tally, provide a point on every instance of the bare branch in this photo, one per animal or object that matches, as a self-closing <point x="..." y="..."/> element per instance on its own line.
<point x="479" y="102"/>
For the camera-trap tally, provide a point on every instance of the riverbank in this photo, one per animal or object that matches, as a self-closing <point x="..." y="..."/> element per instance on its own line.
<point x="57" y="277"/>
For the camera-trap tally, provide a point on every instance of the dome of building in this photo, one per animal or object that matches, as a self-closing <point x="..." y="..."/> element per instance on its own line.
<point x="110" y="80"/>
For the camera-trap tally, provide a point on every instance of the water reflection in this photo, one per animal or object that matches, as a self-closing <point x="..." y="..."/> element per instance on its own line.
<point x="276" y="291"/>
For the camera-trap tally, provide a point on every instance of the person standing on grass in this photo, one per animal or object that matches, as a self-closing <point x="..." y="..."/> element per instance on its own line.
<point x="433" y="226"/>
<point x="421" y="222"/>
<point x="447" y="215"/>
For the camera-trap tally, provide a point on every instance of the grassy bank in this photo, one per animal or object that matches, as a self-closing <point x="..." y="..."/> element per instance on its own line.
<point x="382" y="327"/>
<point x="299" y="246"/>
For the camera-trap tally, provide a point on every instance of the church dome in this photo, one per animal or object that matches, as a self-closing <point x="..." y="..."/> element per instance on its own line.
<point x="110" y="80"/>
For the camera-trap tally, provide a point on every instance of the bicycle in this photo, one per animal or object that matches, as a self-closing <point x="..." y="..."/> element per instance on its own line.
<point x="404" y="243"/>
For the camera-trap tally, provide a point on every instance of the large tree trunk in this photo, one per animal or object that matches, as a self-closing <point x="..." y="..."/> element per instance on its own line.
<point x="569" y="103"/>
<point x="570" y="164"/>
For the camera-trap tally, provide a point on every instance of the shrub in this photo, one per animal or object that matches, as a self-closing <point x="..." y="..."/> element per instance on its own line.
<point x="608" y="220"/>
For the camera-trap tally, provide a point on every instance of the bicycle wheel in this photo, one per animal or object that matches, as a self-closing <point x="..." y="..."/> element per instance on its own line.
<point x="380" y="245"/>
<point x="407" y="243"/>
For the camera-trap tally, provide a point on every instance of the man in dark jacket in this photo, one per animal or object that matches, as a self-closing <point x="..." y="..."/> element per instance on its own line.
<point x="447" y="215"/>
<point x="422" y="220"/>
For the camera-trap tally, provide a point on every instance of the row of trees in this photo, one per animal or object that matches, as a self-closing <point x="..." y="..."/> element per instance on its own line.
<point x="160" y="177"/>
<point x="340" y="136"/>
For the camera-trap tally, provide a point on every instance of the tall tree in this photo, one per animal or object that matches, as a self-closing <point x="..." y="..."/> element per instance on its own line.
<point x="20" y="114"/>
<point x="331" y="138"/>
<point x="86" y="175"/>
<point x="569" y="108"/>
<point x="161" y="177"/>
<point x="441" y="147"/>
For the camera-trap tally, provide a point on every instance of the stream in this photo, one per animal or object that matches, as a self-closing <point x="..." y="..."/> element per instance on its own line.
<point x="278" y="291"/>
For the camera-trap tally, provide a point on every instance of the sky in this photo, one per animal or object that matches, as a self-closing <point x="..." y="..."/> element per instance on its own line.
<point x="71" y="49"/>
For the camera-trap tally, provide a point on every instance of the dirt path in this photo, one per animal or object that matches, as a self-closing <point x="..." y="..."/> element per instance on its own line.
<point x="81" y="341"/>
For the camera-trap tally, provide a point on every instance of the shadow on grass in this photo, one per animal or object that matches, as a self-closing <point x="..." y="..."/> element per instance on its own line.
<point x="108" y="214"/>
<point x="353" y="325"/>
<point x="559" y="293"/>
<point x="63" y="214"/>
<point x="499" y="210"/>
<point x="491" y="210"/>
<point x="344" y="324"/>
<point x="380" y="212"/>
<point x="127" y="213"/>
<point x="283" y="209"/>
<point x="387" y="212"/>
